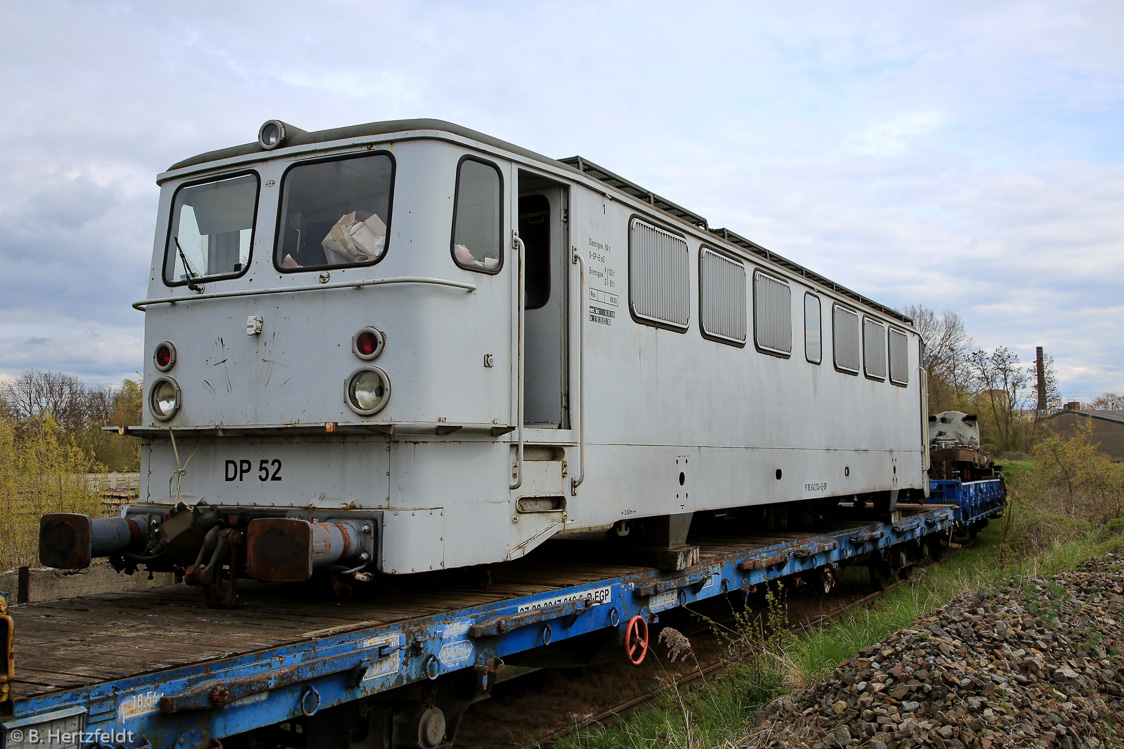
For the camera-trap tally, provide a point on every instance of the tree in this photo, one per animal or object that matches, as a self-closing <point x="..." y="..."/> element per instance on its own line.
<point x="36" y="394"/>
<point x="947" y="347"/>
<point x="79" y="411"/>
<point x="1001" y="387"/>
<point x="1108" y="402"/>
<point x="127" y="401"/>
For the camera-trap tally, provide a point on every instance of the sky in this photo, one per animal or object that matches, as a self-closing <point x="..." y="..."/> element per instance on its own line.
<point x="960" y="155"/>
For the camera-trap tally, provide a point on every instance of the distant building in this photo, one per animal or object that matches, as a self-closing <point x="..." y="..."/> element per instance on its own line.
<point x="1108" y="428"/>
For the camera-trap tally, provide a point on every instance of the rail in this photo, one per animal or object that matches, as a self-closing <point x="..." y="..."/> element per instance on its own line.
<point x="470" y="287"/>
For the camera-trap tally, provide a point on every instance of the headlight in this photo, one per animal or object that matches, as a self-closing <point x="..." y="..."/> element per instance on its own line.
<point x="271" y="134"/>
<point x="164" y="398"/>
<point x="367" y="391"/>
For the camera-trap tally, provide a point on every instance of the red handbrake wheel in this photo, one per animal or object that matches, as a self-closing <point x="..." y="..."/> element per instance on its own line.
<point x="636" y="640"/>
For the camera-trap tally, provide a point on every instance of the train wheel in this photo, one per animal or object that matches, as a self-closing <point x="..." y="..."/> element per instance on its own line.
<point x="879" y="576"/>
<point x="904" y="564"/>
<point x="636" y="640"/>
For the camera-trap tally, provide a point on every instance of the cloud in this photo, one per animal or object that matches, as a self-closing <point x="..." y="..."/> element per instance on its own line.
<point x="894" y="136"/>
<point x="959" y="155"/>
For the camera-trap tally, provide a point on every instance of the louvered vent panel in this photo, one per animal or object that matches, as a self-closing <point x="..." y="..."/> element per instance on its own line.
<point x="659" y="278"/>
<point x="899" y="357"/>
<point x="846" y="339"/>
<point x="874" y="348"/>
<point x="772" y="314"/>
<point x="723" y="297"/>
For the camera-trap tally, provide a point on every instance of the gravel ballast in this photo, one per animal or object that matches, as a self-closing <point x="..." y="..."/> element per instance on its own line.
<point x="1039" y="663"/>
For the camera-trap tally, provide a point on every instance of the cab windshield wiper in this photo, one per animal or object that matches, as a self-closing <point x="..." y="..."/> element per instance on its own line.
<point x="191" y="275"/>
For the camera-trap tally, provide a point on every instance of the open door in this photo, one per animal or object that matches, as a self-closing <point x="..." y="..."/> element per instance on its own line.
<point x="542" y="227"/>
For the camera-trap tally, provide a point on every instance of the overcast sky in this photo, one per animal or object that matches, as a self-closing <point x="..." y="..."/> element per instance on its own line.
<point x="958" y="155"/>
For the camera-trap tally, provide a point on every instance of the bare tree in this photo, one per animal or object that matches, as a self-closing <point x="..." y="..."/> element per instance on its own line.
<point x="1108" y="402"/>
<point x="70" y="402"/>
<point x="1001" y="384"/>
<point x="947" y="347"/>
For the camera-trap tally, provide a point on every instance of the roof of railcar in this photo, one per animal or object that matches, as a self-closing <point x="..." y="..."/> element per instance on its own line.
<point x="576" y="164"/>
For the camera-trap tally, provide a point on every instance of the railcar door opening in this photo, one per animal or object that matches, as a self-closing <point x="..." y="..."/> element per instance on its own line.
<point x="542" y="227"/>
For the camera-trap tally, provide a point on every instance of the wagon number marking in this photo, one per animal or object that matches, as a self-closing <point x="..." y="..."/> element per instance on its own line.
<point x="268" y="470"/>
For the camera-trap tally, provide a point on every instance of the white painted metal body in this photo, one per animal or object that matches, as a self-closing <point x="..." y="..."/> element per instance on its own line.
<point x="672" y="422"/>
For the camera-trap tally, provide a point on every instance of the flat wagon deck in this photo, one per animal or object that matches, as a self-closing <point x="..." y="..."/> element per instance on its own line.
<point x="159" y="668"/>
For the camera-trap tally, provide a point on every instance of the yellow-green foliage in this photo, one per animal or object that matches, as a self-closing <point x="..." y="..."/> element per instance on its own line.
<point x="38" y="474"/>
<point x="1070" y="488"/>
<point x="115" y="452"/>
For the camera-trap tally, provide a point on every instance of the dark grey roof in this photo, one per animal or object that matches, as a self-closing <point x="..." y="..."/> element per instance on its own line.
<point x="1117" y="416"/>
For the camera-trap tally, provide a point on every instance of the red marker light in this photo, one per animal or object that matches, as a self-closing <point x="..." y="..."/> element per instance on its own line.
<point x="367" y="343"/>
<point x="164" y="356"/>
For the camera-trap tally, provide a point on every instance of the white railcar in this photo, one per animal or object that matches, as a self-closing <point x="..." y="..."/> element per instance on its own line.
<point x="408" y="346"/>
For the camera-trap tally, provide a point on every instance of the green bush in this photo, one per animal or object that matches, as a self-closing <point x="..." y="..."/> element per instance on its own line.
<point x="1068" y="489"/>
<point x="39" y="474"/>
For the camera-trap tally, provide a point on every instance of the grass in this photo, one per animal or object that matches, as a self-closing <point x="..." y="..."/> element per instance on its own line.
<point x="1015" y="469"/>
<point x="717" y="714"/>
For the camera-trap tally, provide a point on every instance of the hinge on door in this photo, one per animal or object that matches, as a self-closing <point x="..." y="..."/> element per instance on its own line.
<point x="565" y="401"/>
<point x="565" y="215"/>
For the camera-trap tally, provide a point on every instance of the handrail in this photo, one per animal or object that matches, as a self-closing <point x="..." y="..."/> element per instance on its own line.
<point x="576" y="481"/>
<point x="521" y="305"/>
<point x="317" y="287"/>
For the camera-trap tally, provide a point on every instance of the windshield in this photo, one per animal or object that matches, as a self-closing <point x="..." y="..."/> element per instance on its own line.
<point x="334" y="213"/>
<point x="212" y="229"/>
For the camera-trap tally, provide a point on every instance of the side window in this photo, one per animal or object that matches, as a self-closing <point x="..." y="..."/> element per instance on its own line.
<point x="722" y="297"/>
<point x="212" y="229"/>
<point x="846" y="339"/>
<point x="813" y="334"/>
<point x="659" y="284"/>
<point x="334" y="213"/>
<point x="874" y="349"/>
<point x="478" y="216"/>
<point x="772" y="314"/>
<point x="899" y="357"/>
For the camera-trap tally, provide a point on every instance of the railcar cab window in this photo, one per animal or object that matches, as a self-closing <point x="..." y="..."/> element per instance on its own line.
<point x="478" y="216"/>
<point x="211" y="230"/>
<point x="813" y="335"/>
<point x="899" y="357"/>
<point x="334" y="213"/>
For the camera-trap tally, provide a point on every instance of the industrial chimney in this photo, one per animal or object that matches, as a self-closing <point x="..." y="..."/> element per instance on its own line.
<point x="1041" y="365"/>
